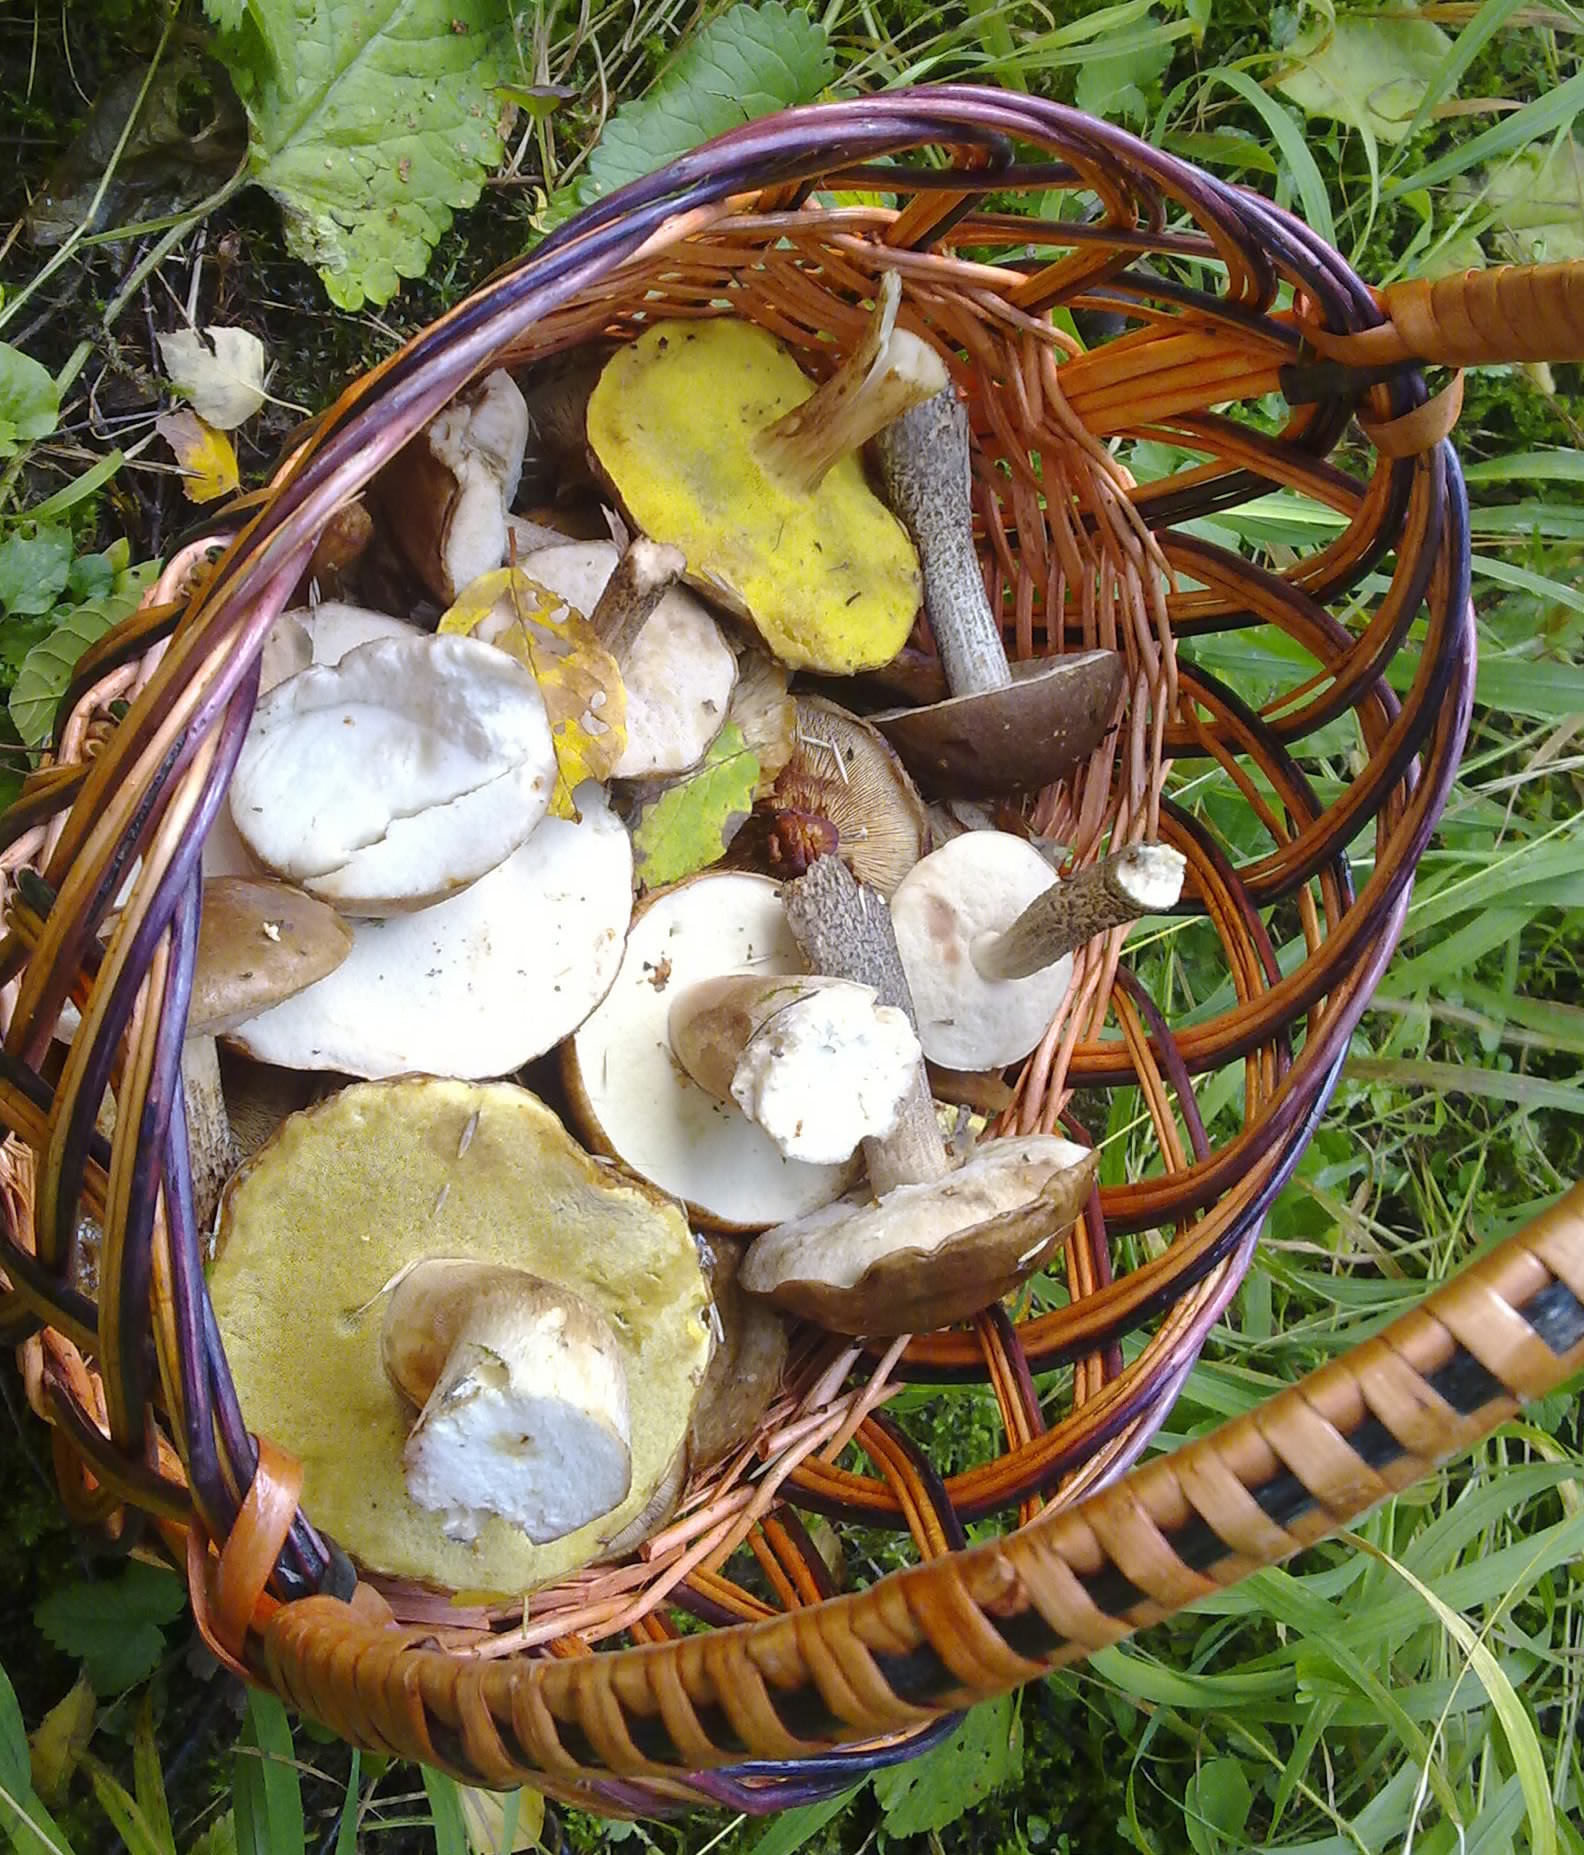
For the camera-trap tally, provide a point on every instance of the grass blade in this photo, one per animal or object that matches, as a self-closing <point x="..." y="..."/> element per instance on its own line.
<point x="1514" y="132"/>
<point x="269" y="1806"/>
<point x="446" y="1809"/>
<point x="1295" y="150"/>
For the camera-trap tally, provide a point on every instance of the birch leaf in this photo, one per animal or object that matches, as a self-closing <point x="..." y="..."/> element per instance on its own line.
<point x="691" y="822"/>
<point x="208" y="462"/>
<point x="220" y="371"/>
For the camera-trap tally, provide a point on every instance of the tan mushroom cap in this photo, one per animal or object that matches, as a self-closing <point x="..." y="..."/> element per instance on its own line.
<point x="317" y="1227"/>
<point x="926" y="1255"/>
<point x="745" y="1372"/>
<point x="258" y="942"/>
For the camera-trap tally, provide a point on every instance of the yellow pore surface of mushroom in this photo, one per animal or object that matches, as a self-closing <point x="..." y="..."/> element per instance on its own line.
<point x="347" y="1194"/>
<point x="830" y="577"/>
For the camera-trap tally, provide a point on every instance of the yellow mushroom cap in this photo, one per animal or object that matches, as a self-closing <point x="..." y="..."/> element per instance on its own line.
<point x="829" y="577"/>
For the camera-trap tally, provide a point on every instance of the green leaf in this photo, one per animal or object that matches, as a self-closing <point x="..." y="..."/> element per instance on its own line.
<point x="984" y="1753"/>
<point x="1371" y="71"/>
<point x="113" y="1627"/>
<point x="383" y="127"/>
<point x="16" y="1770"/>
<point x="220" y="1837"/>
<point x="689" y="824"/>
<point x="47" y="669"/>
<point x="34" y="570"/>
<point x="792" y="1828"/>
<point x="1113" y="83"/>
<point x="1536" y="202"/>
<point x="747" y="63"/>
<point x="272" y="20"/>
<point x="148" y="1781"/>
<point x="28" y="400"/>
<point x="1520" y="129"/>
<point x="446" y="1809"/>
<point x="60" y="1740"/>
<point x="351" y="1804"/>
<point x="129" y="1822"/>
<point x="1216" y="1805"/>
<point x="265" y="1787"/>
<point x="1294" y="149"/>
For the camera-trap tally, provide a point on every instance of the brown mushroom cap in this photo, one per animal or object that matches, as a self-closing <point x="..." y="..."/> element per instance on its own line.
<point x="745" y="1371"/>
<point x="926" y="1255"/>
<point x="1044" y="723"/>
<point x="258" y="942"/>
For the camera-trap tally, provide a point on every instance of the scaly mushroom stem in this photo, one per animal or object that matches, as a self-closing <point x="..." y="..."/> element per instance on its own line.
<point x="644" y="575"/>
<point x="212" y="1151"/>
<point x="845" y="932"/>
<point x="888" y="372"/>
<point x="1142" y="880"/>
<point x="925" y="476"/>
<point x="816" y="1061"/>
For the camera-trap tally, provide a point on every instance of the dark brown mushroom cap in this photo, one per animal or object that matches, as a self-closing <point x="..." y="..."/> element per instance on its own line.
<point x="1043" y="724"/>
<point x="258" y="942"/>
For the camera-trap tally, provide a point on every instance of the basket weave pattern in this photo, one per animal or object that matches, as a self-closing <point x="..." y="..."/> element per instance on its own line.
<point x="1229" y="302"/>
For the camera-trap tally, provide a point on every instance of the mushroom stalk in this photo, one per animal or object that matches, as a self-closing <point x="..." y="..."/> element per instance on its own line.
<point x="1141" y="880"/>
<point x="212" y="1151"/>
<point x="816" y="1061"/>
<point x="644" y="575"/>
<point x="888" y="372"/>
<point x="844" y="929"/>
<point x="925" y="475"/>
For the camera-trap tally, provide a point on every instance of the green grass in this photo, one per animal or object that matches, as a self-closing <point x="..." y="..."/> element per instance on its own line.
<point x="1419" y="1687"/>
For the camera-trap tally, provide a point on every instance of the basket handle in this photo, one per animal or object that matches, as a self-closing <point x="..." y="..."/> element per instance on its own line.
<point x="980" y="1622"/>
<point x="1516" y="312"/>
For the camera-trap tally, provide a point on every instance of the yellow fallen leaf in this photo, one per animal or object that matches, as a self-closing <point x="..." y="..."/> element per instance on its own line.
<point x="209" y="464"/>
<point x="59" y="1741"/>
<point x="579" y="679"/>
<point x="484" y="1820"/>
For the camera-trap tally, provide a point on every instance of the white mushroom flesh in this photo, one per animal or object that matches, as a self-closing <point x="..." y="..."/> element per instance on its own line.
<point x="827" y="1073"/>
<point x="974" y="885"/>
<point x="480" y="438"/>
<point x="478" y="985"/>
<point x="397" y="776"/>
<point x="678" y="674"/>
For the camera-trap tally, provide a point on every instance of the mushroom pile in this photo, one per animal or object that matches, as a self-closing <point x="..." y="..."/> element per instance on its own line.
<point x="576" y="941"/>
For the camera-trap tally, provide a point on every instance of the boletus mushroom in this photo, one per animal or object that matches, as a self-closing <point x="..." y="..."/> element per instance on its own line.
<point x="932" y="1245"/>
<point x="523" y="1394"/>
<point x="744" y="1370"/>
<point x="986" y="933"/>
<point x="478" y="985"/>
<point x="338" y="1212"/>
<point x="442" y="500"/>
<point x="631" y="1098"/>
<point x="1003" y="728"/>
<point x="258" y="943"/>
<point x="716" y="442"/>
<point x="396" y="776"/>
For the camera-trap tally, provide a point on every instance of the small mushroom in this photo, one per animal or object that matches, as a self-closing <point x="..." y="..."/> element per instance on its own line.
<point x="478" y="985"/>
<point x="986" y="934"/>
<point x="745" y="1369"/>
<point x="1003" y="729"/>
<point x="844" y="792"/>
<point x="443" y="498"/>
<point x="258" y="943"/>
<point x="677" y="669"/>
<point x="716" y="441"/>
<point x="632" y="1099"/>
<point x="397" y="776"/>
<point x="523" y="1395"/>
<point x="342" y="1208"/>
<point x="818" y="1063"/>
<point x="341" y="545"/>
<point x="935" y="1245"/>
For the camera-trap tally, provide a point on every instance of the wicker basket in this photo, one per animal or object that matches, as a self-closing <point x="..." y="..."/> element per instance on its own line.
<point x="795" y="1691"/>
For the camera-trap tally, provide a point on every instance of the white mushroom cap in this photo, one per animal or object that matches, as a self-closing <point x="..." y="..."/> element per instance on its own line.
<point x="397" y="776"/>
<point x="678" y="674"/>
<point x="977" y="884"/>
<point x="632" y="1099"/>
<point x="334" y="628"/>
<point x="481" y="984"/>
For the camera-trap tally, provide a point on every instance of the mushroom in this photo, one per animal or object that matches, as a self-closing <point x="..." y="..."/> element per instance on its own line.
<point x="320" y="1227"/>
<point x="1003" y="728"/>
<point x="986" y="933"/>
<point x="523" y="1395"/>
<point x="478" y="985"/>
<point x="396" y="776"/>
<point x="632" y="1099"/>
<point x="443" y="497"/>
<point x="844" y="792"/>
<point x="818" y="1063"/>
<point x="342" y="543"/>
<point x="258" y="943"/>
<point x="677" y="669"/>
<point x="935" y="1245"/>
<point x="716" y="441"/>
<point x="745" y="1369"/>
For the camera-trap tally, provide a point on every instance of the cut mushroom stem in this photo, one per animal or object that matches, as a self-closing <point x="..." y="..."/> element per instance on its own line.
<point x="818" y="1062"/>
<point x="924" y="468"/>
<point x="644" y="575"/>
<point x="524" y="1399"/>
<point x="888" y="372"/>
<point x="844" y="929"/>
<point x="1144" y="879"/>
